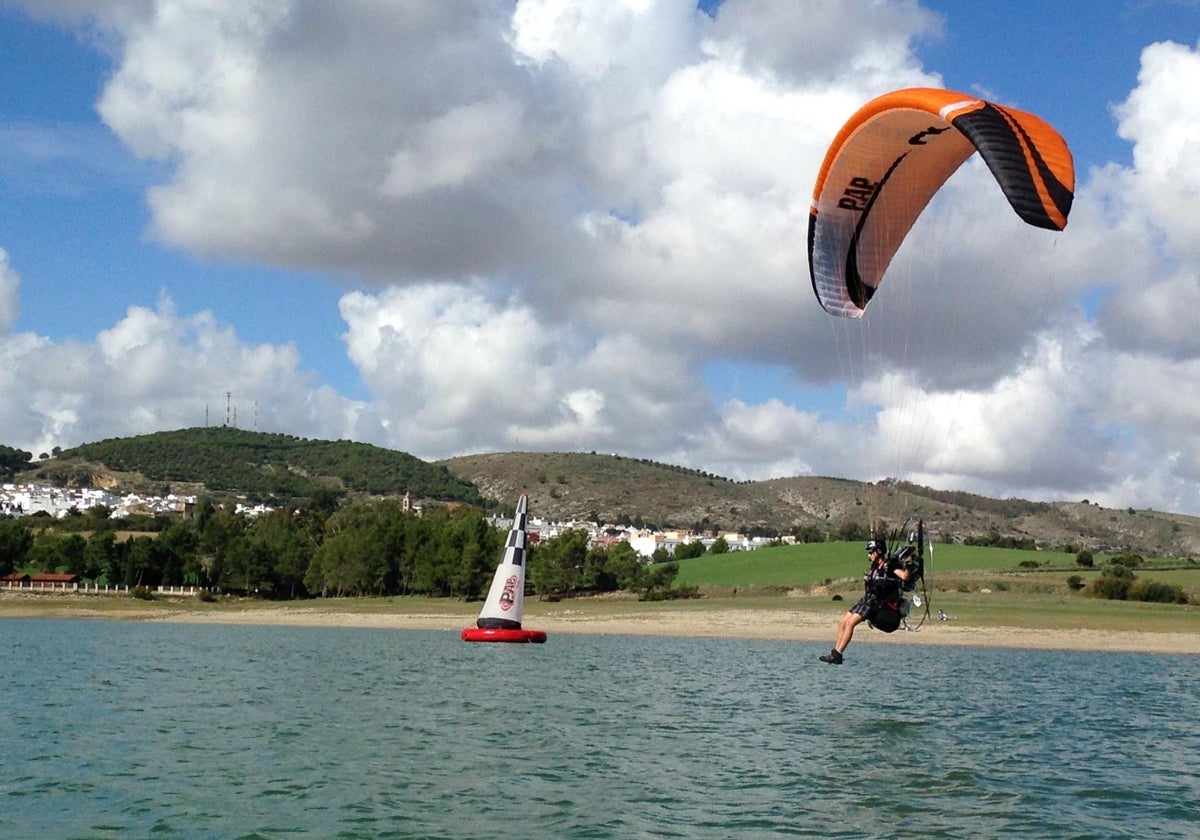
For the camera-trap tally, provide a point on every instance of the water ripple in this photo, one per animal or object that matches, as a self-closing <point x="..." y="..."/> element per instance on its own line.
<point x="181" y="732"/>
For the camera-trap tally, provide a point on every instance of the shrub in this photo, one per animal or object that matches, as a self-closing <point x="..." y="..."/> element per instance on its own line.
<point x="1075" y="582"/>
<point x="1156" y="592"/>
<point x="1129" y="560"/>
<point x="1113" y="583"/>
<point x="143" y="592"/>
<point x="1085" y="559"/>
<point x="670" y="594"/>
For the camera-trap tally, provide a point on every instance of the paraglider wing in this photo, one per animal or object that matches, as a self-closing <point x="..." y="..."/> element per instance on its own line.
<point x="890" y="158"/>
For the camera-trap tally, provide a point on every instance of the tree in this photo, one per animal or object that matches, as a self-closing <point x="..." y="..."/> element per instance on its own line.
<point x="13" y="460"/>
<point x="1113" y="583"/>
<point x="594" y="575"/>
<point x="142" y="565"/>
<point x="99" y="557"/>
<point x="324" y="499"/>
<point x="407" y="539"/>
<point x="52" y="552"/>
<point x="808" y="534"/>
<point x="15" y="541"/>
<point x="658" y="580"/>
<point x="216" y="529"/>
<point x="283" y="540"/>
<point x="175" y="550"/>
<point x="850" y="531"/>
<point x="476" y="546"/>
<point x="625" y="566"/>
<point x="72" y="550"/>
<point x="555" y="567"/>
<point x="98" y="515"/>
<point x="1084" y="558"/>
<point x="719" y="546"/>
<point x="246" y="567"/>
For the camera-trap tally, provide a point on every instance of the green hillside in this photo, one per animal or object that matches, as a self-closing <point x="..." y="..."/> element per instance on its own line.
<point x="604" y="488"/>
<point x="258" y="464"/>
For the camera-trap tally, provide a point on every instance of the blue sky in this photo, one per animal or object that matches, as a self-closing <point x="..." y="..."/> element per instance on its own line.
<point x="1073" y="60"/>
<point x="416" y="248"/>
<point x="77" y="216"/>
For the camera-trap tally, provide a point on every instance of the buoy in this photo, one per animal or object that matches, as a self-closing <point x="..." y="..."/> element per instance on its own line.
<point x="502" y="634"/>
<point x="500" y="618"/>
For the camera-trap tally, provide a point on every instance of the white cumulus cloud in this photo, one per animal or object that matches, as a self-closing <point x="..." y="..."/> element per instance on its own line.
<point x="554" y="215"/>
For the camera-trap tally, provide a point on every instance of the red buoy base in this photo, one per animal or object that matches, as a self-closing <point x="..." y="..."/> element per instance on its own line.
<point x="502" y="634"/>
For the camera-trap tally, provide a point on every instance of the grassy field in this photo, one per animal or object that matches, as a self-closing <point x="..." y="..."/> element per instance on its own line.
<point x="807" y="565"/>
<point x="977" y="587"/>
<point x="950" y="567"/>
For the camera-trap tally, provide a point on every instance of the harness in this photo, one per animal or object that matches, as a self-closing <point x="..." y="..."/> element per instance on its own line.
<point x="887" y="606"/>
<point x="887" y="595"/>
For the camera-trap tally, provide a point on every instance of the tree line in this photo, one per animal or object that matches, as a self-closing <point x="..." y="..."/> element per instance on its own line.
<point x="267" y="466"/>
<point x="12" y="461"/>
<point x="374" y="548"/>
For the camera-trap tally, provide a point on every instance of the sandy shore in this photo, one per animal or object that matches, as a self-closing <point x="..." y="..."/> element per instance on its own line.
<point x="761" y="623"/>
<point x="780" y="625"/>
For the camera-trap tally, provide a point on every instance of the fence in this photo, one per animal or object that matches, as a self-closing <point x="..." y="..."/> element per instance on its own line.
<point x="58" y="587"/>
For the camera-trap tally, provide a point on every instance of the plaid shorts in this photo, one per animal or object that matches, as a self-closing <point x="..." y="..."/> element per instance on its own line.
<point x="866" y="606"/>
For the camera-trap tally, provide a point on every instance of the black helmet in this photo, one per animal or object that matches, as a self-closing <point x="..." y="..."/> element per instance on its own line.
<point x="877" y="545"/>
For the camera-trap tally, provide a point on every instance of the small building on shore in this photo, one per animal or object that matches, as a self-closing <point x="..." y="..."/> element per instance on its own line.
<point x="39" y="580"/>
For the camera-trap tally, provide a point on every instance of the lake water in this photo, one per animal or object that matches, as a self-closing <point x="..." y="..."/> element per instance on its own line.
<point x="136" y="730"/>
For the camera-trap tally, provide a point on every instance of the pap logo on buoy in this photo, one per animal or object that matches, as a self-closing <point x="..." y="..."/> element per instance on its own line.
<point x="509" y="596"/>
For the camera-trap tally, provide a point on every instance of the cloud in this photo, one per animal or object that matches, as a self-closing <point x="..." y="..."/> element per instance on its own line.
<point x="457" y="372"/>
<point x="316" y="135"/>
<point x="806" y="43"/>
<point x="458" y="147"/>
<point x="156" y="369"/>
<point x="9" y="298"/>
<point x="1161" y="120"/>
<point x="555" y="214"/>
<point x="1147" y="306"/>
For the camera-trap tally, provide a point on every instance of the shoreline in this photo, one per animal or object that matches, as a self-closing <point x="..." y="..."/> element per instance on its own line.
<point x="615" y="618"/>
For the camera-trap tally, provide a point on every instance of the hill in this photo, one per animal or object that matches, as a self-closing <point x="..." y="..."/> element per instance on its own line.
<point x="257" y="465"/>
<point x="613" y="488"/>
<point x="604" y="488"/>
